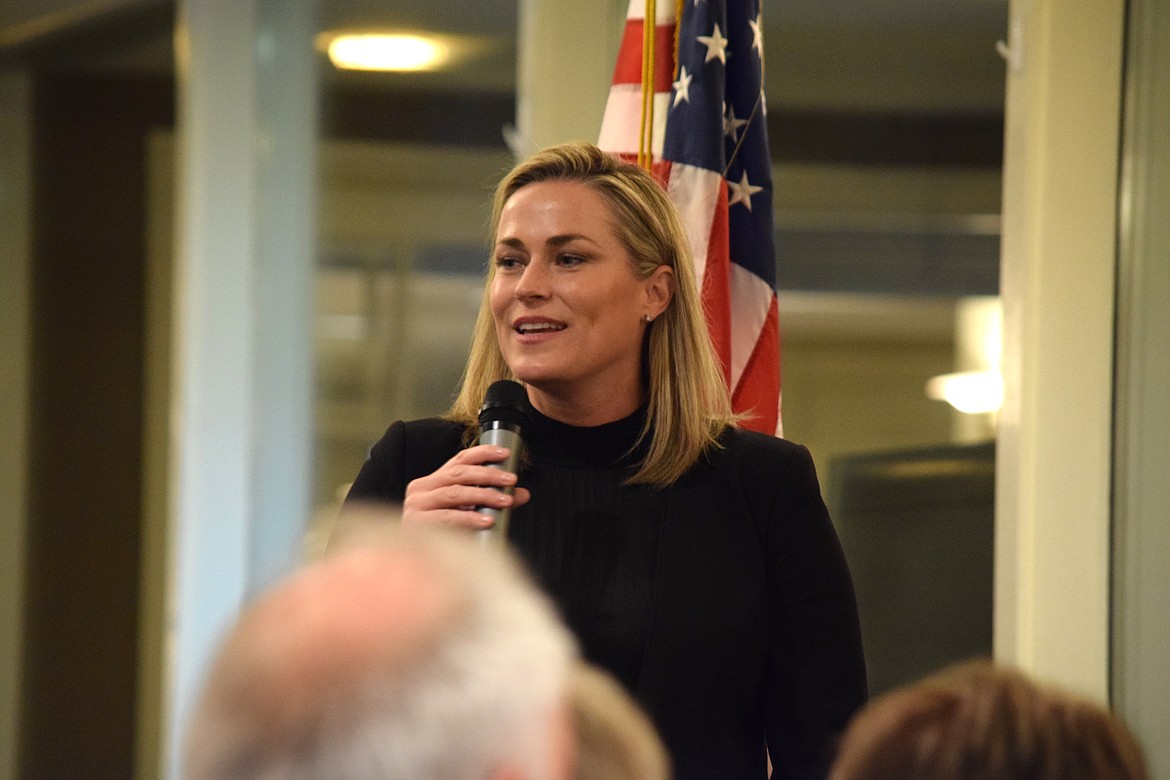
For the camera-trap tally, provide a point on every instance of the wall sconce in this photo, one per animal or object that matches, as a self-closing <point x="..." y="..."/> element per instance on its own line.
<point x="971" y="392"/>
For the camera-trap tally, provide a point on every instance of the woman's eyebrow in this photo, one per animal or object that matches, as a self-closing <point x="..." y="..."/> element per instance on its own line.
<point x="561" y="240"/>
<point x="556" y="241"/>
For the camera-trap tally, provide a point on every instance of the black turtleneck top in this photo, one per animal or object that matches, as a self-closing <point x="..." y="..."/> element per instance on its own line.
<point x="722" y="603"/>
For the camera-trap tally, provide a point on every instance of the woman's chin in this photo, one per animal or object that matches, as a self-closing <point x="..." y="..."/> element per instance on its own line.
<point x="535" y="382"/>
<point x="536" y="376"/>
<point x="543" y="381"/>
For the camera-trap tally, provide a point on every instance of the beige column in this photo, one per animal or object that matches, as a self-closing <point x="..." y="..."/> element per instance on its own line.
<point x="566" y="55"/>
<point x="1058" y="255"/>
<point x="15" y="231"/>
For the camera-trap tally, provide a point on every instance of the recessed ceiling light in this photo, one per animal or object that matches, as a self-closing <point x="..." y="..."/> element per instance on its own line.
<point x="388" y="52"/>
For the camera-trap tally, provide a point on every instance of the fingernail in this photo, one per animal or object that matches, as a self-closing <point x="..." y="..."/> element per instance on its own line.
<point x="509" y="477"/>
<point x="485" y="520"/>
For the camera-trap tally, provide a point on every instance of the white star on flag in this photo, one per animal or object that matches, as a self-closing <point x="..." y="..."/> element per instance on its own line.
<point x="742" y="191"/>
<point x="716" y="45"/>
<point x="682" y="87"/>
<point x="757" y="26"/>
<point x="731" y="125"/>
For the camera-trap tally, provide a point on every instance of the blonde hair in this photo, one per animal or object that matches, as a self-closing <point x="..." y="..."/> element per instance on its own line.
<point x="976" y="720"/>
<point x="687" y="398"/>
<point x="615" y="738"/>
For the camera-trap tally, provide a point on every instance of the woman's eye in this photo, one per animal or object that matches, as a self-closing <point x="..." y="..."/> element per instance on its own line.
<point x="507" y="262"/>
<point x="570" y="259"/>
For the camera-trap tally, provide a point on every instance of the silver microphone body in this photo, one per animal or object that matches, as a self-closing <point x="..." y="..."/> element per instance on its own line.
<point x="500" y="434"/>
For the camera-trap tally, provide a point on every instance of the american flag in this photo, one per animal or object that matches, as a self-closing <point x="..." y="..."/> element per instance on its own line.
<point x="700" y="124"/>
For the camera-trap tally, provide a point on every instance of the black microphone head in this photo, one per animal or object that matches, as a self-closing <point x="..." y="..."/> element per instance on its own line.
<point x="505" y="401"/>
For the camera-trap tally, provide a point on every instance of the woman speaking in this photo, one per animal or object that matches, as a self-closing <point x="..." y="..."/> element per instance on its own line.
<point x="694" y="560"/>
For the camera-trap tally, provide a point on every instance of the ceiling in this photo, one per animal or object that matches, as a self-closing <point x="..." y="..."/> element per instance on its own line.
<point x="875" y="56"/>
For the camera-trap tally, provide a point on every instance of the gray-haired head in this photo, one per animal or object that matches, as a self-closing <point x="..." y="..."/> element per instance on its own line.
<point x="413" y="656"/>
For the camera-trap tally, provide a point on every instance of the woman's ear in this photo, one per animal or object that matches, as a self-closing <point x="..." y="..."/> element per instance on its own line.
<point x="659" y="289"/>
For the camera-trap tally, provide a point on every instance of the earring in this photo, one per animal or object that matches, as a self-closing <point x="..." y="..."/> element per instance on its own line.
<point x="646" y="318"/>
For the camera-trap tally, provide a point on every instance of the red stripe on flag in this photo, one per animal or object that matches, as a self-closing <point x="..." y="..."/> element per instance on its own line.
<point x="716" y="292"/>
<point x="629" y="62"/>
<point x="659" y="169"/>
<point x="759" y="386"/>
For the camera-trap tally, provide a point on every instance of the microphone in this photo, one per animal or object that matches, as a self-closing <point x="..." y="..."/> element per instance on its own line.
<point x="503" y="414"/>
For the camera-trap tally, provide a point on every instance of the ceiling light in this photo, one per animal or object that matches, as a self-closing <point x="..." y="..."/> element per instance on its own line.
<point x="971" y="392"/>
<point x="390" y="52"/>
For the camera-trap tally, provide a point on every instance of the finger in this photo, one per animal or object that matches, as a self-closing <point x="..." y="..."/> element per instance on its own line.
<point x="451" y="476"/>
<point x="520" y="497"/>
<point x="481" y="453"/>
<point x="456" y="496"/>
<point x="482" y="475"/>
<point x="467" y="519"/>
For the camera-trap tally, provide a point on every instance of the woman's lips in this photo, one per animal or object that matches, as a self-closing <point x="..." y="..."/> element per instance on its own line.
<point x="535" y="329"/>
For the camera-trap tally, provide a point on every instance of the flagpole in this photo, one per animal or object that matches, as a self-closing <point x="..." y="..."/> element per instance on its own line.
<point x="646" y="123"/>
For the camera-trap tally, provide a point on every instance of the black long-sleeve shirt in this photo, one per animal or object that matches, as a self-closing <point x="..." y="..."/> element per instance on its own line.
<point x="723" y="603"/>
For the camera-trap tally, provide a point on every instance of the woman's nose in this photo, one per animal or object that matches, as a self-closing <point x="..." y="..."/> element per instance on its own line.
<point x="533" y="282"/>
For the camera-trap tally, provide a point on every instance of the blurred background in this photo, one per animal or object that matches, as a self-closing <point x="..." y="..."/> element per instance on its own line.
<point x="886" y="128"/>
